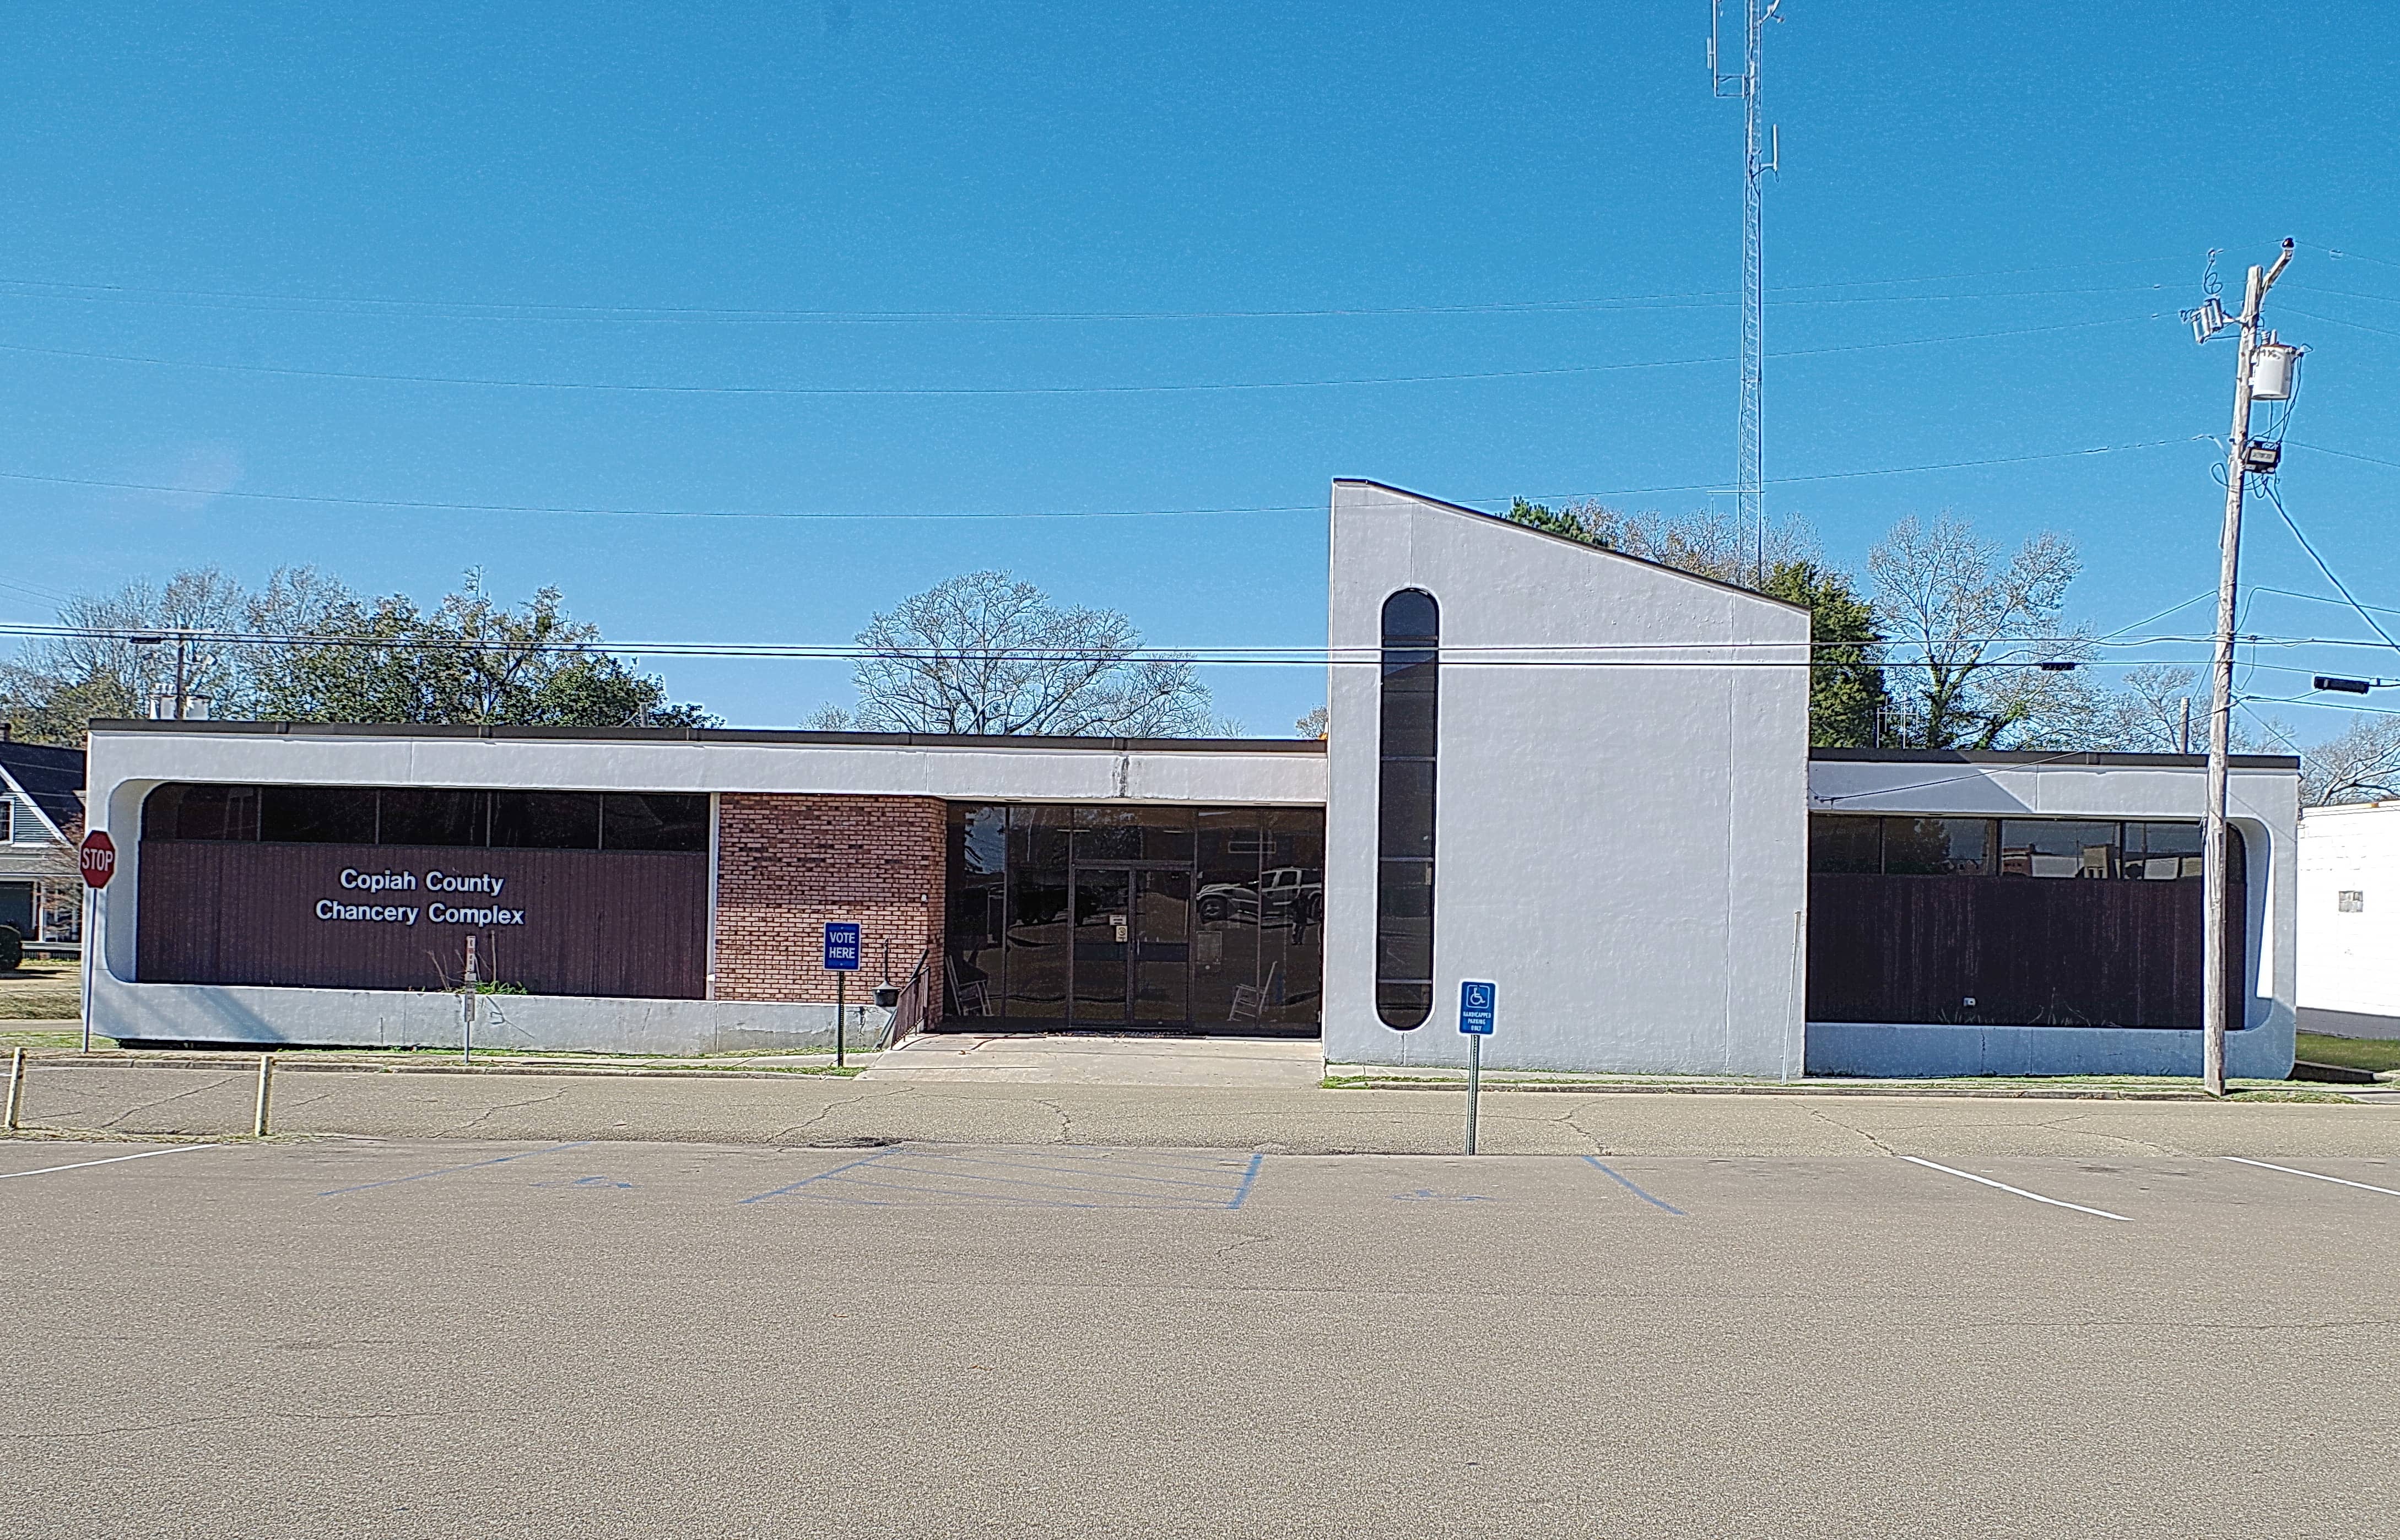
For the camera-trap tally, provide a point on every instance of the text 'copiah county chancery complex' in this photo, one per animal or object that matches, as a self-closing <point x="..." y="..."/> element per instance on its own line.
<point x="1581" y="775"/>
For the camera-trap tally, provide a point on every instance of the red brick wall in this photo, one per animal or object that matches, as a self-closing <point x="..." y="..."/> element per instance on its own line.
<point x="786" y="865"/>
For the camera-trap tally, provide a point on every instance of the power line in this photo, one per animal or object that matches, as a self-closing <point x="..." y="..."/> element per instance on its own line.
<point x="510" y="309"/>
<point x="917" y="391"/>
<point x="2267" y="484"/>
<point x="427" y="505"/>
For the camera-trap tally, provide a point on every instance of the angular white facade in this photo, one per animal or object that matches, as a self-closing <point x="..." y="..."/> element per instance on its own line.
<point x="2349" y="920"/>
<point x="1620" y="826"/>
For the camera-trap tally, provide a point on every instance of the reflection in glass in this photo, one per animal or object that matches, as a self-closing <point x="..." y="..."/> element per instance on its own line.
<point x="1103" y="934"/>
<point x="1937" y="846"/>
<point x="2057" y="847"/>
<point x="1838" y="843"/>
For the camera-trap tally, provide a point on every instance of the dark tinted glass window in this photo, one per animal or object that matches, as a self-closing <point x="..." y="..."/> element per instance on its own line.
<point x="1937" y="846"/>
<point x="546" y="820"/>
<point x="179" y="811"/>
<point x="1843" y="844"/>
<point x="2057" y="847"/>
<point x="329" y="815"/>
<point x="972" y="982"/>
<point x="653" y="821"/>
<point x="1408" y="743"/>
<point x="2161" y="852"/>
<point x="414" y="817"/>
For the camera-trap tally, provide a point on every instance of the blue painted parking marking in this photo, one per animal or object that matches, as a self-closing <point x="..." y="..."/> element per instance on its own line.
<point x="822" y="1176"/>
<point x="1242" y="1194"/>
<point x="1593" y="1161"/>
<point x="448" y="1170"/>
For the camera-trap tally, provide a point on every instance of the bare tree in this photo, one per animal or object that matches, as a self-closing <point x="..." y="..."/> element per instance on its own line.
<point x="1965" y="627"/>
<point x="2363" y="765"/>
<point x="983" y="653"/>
<point x="1314" y="724"/>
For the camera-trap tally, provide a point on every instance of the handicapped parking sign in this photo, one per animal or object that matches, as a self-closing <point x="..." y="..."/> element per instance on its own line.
<point x="1478" y="1001"/>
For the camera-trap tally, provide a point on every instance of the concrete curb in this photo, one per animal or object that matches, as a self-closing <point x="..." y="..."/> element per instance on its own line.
<point x="289" y="1064"/>
<point x="285" y="1065"/>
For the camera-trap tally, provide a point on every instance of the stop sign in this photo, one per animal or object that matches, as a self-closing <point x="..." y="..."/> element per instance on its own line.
<point x="99" y="858"/>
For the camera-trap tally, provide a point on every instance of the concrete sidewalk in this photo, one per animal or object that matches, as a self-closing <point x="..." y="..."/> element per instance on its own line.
<point x="126" y="1098"/>
<point x="1084" y="1059"/>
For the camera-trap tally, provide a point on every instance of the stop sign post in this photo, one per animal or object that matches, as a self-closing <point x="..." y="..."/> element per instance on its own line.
<point x="98" y="858"/>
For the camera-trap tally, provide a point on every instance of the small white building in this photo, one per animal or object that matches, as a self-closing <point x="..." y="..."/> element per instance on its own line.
<point x="2349" y="920"/>
<point x="1579" y="775"/>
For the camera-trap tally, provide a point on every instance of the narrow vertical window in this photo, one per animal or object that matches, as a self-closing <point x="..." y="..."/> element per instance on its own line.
<point x="1411" y="663"/>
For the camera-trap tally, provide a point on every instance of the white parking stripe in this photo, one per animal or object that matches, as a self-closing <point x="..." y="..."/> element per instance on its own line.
<point x="2059" y="1203"/>
<point x="2296" y="1171"/>
<point x="112" y="1160"/>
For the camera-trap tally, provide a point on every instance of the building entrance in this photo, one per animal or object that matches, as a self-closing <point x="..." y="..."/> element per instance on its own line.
<point x="1160" y="919"/>
<point x="1132" y="946"/>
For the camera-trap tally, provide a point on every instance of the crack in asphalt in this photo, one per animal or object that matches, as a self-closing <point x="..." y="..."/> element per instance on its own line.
<point x="511" y="1105"/>
<point x="187" y="1091"/>
<point x="1821" y="1116"/>
<point x="821" y="1114"/>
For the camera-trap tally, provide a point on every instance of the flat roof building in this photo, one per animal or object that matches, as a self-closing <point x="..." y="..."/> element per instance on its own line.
<point x="1583" y="776"/>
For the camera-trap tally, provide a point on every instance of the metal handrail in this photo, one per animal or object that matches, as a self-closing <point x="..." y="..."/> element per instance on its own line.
<point x="911" y="1012"/>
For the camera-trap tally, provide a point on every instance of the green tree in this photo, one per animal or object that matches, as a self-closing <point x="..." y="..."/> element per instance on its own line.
<point x="306" y="648"/>
<point x="1845" y="687"/>
<point x="471" y="659"/>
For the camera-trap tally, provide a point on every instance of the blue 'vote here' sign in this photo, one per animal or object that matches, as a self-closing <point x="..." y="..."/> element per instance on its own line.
<point x="841" y="946"/>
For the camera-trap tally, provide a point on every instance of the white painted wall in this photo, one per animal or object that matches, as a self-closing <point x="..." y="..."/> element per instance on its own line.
<point x="1622" y="848"/>
<point x="2350" y="963"/>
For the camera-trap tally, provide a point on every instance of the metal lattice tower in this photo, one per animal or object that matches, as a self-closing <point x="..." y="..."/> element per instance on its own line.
<point x="1750" y="467"/>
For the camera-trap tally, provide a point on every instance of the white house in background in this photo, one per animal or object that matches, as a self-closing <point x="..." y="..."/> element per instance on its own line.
<point x="1579" y="775"/>
<point x="2349" y="920"/>
<point x="41" y="809"/>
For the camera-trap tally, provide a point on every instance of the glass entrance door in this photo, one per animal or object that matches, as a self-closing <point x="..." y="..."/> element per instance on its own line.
<point x="1103" y="944"/>
<point x="1132" y="946"/>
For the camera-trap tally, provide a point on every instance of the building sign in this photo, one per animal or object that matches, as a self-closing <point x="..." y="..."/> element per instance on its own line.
<point x="436" y="910"/>
<point x="367" y="917"/>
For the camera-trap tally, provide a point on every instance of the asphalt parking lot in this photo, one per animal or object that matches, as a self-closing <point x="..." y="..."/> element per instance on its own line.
<point x="446" y="1337"/>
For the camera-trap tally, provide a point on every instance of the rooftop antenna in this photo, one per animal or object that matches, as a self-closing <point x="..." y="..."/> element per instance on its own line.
<point x="1750" y="478"/>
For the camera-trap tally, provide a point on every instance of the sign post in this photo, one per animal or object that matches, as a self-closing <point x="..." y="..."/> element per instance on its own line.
<point x="97" y="860"/>
<point x="842" y="961"/>
<point x="1479" y="1001"/>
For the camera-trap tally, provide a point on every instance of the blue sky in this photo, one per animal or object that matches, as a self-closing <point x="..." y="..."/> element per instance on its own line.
<point x="440" y="173"/>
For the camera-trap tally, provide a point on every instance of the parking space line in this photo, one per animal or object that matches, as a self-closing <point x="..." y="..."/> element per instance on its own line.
<point x="1242" y="1194"/>
<point x="2319" y="1176"/>
<point x="471" y="1165"/>
<point x="2056" y="1203"/>
<point x="1077" y="1168"/>
<point x="110" y="1160"/>
<point x="880" y="1154"/>
<point x="1593" y="1161"/>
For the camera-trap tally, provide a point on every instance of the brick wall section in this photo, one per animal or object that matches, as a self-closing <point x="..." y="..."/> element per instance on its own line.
<point x="785" y="865"/>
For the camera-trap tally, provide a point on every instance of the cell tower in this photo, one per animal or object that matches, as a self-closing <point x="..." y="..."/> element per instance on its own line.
<point x="1749" y="469"/>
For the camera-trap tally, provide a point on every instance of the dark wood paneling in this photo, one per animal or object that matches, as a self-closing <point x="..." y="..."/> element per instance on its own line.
<point x="597" y="922"/>
<point x="2030" y="951"/>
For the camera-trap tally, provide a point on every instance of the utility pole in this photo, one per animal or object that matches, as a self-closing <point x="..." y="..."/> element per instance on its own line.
<point x="1750" y="478"/>
<point x="2216" y="962"/>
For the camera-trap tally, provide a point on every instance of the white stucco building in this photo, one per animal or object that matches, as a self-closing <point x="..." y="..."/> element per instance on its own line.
<point x="2349" y="920"/>
<point x="1581" y="776"/>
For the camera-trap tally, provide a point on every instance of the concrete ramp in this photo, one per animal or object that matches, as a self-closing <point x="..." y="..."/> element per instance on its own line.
<point x="1083" y="1058"/>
